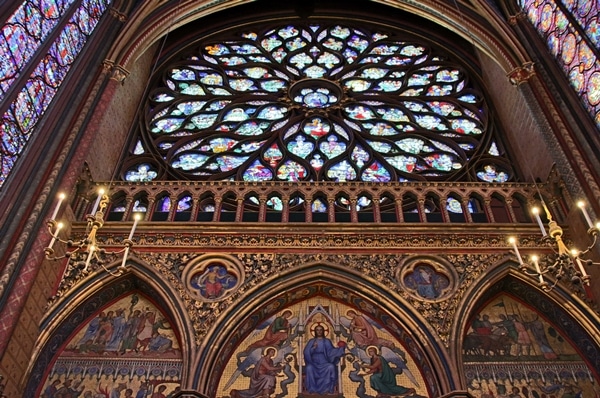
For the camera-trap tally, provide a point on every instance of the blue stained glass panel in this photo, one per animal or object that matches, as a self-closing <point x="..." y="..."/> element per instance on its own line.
<point x="32" y="22"/>
<point x="454" y="206"/>
<point x="184" y="204"/>
<point x="24" y="31"/>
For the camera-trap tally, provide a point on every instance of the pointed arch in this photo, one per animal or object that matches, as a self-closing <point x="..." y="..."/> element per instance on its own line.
<point x="333" y="284"/>
<point x="89" y="297"/>
<point x="579" y="324"/>
<point x="140" y="37"/>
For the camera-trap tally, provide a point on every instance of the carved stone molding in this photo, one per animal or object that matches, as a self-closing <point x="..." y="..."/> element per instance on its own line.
<point x="236" y="239"/>
<point x="117" y="14"/>
<point x="260" y="267"/>
<point x="521" y="74"/>
<point x="514" y="19"/>
<point x="117" y="72"/>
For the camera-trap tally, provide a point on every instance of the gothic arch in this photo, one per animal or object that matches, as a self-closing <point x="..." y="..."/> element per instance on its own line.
<point x="138" y="38"/>
<point x="95" y="292"/>
<point x="334" y="284"/>
<point x="573" y="316"/>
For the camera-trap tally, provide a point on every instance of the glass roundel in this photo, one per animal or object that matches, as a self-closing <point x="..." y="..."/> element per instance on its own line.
<point x="317" y="103"/>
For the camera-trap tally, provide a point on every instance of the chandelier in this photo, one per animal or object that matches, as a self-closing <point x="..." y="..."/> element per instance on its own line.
<point x="568" y="263"/>
<point x="86" y="253"/>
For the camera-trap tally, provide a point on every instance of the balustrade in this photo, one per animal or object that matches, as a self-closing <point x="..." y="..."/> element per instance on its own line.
<point x="284" y="202"/>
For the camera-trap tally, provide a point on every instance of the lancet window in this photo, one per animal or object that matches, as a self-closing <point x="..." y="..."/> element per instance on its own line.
<point x="39" y="44"/>
<point x="570" y="30"/>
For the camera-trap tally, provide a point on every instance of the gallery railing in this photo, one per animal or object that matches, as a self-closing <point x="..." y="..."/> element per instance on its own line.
<point x="329" y="202"/>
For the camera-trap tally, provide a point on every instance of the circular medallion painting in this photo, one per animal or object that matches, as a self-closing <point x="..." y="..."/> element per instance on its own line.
<point x="212" y="277"/>
<point x="426" y="278"/>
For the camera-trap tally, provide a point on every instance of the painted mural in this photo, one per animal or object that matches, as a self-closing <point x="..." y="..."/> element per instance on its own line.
<point x="511" y="351"/>
<point x="213" y="277"/>
<point x="127" y="349"/>
<point x="319" y="348"/>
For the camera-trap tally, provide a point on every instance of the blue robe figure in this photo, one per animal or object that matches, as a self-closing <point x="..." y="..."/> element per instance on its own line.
<point x="118" y="324"/>
<point x="321" y="359"/>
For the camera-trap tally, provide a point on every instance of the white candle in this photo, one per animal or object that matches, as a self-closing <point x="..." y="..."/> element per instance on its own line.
<point x="581" y="267"/>
<point x="513" y="242"/>
<point x="537" y="268"/>
<point x="100" y="193"/>
<point x="536" y="213"/>
<point x="135" y="222"/>
<point x="125" y="255"/>
<point x="89" y="257"/>
<point x="575" y="255"/>
<point x="58" y="228"/>
<point x="581" y="205"/>
<point x="61" y="197"/>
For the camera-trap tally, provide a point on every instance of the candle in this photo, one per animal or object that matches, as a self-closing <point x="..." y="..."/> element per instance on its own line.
<point x="575" y="255"/>
<point x="89" y="257"/>
<point x="537" y="268"/>
<point x="125" y="256"/>
<point x="513" y="242"/>
<point x="536" y="213"/>
<point x="58" y="228"/>
<point x="137" y="219"/>
<point x="61" y="197"/>
<point x="581" y="205"/>
<point x="100" y="193"/>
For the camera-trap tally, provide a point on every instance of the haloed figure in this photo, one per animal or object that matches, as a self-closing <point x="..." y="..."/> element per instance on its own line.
<point x="383" y="378"/>
<point x="321" y="359"/>
<point x="263" y="379"/>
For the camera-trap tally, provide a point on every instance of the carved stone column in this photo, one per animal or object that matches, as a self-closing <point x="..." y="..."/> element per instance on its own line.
<point x="308" y="210"/>
<point x="239" y="211"/>
<point x="262" y="208"/>
<point x="376" y="209"/>
<point x="353" y="212"/>
<point x="487" y="206"/>
<point x="466" y="212"/>
<point x="128" y="208"/>
<point x="285" y="211"/>
<point x="422" y="213"/>
<point x="511" y="212"/>
<point x="218" y="207"/>
<point x="399" y="212"/>
<point x="331" y="209"/>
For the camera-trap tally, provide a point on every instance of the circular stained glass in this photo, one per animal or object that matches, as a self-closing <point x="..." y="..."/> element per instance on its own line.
<point x="315" y="103"/>
<point x="593" y="31"/>
<point x="593" y="88"/>
<point x="547" y="18"/>
<point x="569" y="48"/>
<point x="315" y="93"/>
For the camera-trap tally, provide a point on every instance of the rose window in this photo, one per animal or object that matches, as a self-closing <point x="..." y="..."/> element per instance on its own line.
<point x="317" y="103"/>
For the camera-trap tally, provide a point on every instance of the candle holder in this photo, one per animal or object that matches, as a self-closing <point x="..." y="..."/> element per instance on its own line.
<point x="566" y="263"/>
<point x="86" y="253"/>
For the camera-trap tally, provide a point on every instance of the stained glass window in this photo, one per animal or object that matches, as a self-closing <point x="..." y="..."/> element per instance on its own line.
<point x="24" y="32"/>
<point x="317" y="103"/>
<point x="570" y="29"/>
